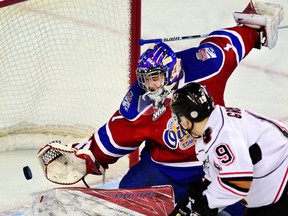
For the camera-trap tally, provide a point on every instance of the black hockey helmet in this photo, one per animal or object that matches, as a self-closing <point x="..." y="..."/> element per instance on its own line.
<point x="193" y="101"/>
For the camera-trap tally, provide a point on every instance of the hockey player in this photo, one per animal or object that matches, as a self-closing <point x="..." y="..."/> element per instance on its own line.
<point x="244" y="155"/>
<point x="168" y="156"/>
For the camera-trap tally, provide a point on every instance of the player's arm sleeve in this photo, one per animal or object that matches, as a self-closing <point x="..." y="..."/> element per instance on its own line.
<point x="115" y="139"/>
<point x="249" y="36"/>
<point x="234" y="175"/>
<point x="123" y="133"/>
<point x="69" y="163"/>
<point x="231" y="45"/>
<point x="242" y="39"/>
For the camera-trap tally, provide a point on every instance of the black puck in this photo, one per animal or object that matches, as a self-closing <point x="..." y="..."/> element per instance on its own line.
<point x="27" y="172"/>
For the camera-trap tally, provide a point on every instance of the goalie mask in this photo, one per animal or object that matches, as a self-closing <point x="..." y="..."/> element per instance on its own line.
<point x="158" y="73"/>
<point x="192" y="101"/>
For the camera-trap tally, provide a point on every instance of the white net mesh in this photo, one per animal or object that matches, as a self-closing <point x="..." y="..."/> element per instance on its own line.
<point x="64" y="68"/>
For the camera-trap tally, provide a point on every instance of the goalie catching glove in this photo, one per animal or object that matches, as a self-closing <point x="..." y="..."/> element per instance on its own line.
<point x="262" y="15"/>
<point x="63" y="164"/>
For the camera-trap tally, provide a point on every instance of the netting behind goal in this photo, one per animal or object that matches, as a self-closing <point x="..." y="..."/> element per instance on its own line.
<point x="64" y="67"/>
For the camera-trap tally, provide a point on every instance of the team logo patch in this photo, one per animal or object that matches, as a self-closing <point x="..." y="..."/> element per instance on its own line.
<point x="174" y="136"/>
<point x="156" y="115"/>
<point x="206" y="53"/>
<point x="127" y="100"/>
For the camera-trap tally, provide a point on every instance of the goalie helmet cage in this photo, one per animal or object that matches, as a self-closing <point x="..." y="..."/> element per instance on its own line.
<point x="65" y="67"/>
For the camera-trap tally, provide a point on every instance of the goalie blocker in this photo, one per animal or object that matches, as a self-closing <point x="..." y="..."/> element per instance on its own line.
<point x="60" y="165"/>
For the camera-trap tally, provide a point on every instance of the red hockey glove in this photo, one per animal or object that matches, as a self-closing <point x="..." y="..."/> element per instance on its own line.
<point x="63" y="164"/>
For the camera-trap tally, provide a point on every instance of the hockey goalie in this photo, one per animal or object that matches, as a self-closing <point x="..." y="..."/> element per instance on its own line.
<point x="168" y="157"/>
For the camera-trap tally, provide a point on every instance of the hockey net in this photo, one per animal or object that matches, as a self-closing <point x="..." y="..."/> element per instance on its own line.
<point x="65" y="67"/>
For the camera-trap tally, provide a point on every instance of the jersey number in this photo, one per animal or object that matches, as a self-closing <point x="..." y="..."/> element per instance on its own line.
<point x="224" y="154"/>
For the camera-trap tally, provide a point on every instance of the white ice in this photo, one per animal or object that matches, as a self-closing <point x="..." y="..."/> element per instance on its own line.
<point x="260" y="83"/>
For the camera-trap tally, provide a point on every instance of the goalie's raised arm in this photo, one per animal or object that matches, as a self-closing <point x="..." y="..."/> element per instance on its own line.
<point x="64" y="164"/>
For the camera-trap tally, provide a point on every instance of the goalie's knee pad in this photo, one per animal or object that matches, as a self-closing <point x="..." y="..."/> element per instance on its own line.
<point x="262" y="15"/>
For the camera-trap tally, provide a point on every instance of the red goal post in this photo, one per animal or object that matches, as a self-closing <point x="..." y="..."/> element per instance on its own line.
<point x="65" y="67"/>
<point x="135" y="53"/>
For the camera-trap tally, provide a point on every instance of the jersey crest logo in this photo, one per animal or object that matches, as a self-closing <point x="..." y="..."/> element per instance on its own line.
<point x="174" y="136"/>
<point x="127" y="101"/>
<point x="156" y="115"/>
<point x="207" y="135"/>
<point x="206" y="53"/>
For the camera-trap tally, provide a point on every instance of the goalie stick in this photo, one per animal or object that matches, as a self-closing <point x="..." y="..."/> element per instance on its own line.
<point x="178" y="38"/>
<point x="283" y="27"/>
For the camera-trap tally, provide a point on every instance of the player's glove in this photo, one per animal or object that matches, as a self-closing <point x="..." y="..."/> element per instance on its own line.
<point x="193" y="206"/>
<point x="63" y="164"/>
<point x="196" y="204"/>
<point x="262" y="15"/>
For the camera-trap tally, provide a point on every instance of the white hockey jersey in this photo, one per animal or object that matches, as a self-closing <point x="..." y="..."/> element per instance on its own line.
<point x="239" y="147"/>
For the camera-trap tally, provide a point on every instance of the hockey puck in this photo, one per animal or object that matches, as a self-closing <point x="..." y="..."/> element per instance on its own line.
<point x="27" y="172"/>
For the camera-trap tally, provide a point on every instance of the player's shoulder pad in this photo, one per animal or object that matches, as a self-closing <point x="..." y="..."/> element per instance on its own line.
<point x="129" y="107"/>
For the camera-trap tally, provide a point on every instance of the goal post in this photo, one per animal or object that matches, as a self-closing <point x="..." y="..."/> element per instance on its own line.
<point x="135" y="35"/>
<point x="65" y="67"/>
